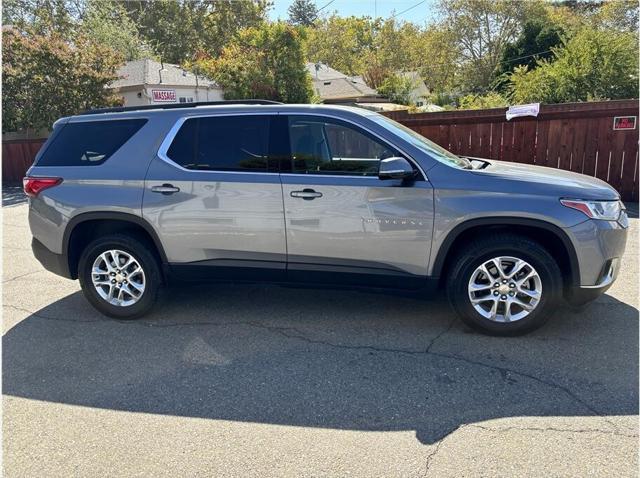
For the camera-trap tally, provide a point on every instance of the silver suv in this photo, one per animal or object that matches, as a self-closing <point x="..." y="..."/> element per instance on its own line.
<point x="128" y="199"/>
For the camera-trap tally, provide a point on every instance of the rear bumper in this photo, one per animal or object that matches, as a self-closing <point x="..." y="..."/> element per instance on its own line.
<point x="56" y="263"/>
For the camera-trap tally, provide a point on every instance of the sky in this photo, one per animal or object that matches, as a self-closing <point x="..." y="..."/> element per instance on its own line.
<point x="423" y="12"/>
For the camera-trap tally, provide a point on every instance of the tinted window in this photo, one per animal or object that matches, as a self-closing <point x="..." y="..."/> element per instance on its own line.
<point x="89" y="143"/>
<point x="224" y="143"/>
<point x="326" y="146"/>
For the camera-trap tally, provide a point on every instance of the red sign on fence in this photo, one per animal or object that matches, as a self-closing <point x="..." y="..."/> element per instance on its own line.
<point x="166" y="96"/>
<point x="624" y="122"/>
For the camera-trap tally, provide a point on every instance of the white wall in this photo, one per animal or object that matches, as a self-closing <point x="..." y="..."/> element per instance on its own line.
<point x="202" y="94"/>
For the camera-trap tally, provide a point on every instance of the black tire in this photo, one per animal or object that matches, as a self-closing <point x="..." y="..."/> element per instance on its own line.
<point x="474" y="254"/>
<point x="149" y="263"/>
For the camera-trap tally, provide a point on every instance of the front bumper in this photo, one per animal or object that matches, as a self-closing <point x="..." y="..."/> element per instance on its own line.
<point x="56" y="263"/>
<point x="599" y="248"/>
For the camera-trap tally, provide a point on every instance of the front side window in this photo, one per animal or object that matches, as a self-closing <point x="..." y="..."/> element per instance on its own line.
<point x="326" y="146"/>
<point x="89" y="143"/>
<point x="222" y="143"/>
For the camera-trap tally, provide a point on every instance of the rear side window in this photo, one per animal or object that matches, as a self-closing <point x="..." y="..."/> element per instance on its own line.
<point x="89" y="143"/>
<point x="223" y="143"/>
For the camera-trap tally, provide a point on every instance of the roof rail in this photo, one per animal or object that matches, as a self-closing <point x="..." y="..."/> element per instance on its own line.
<point x="171" y="106"/>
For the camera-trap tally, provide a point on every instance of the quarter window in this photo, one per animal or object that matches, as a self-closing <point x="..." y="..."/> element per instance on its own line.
<point x="327" y="146"/>
<point x="222" y="143"/>
<point x="89" y="143"/>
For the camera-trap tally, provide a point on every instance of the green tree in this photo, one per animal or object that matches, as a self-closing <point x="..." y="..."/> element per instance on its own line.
<point x="343" y="43"/>
<point x="267" y="62"/>
<point x="397" y="89"/>
<point x="45" y="77"/>
<point x="482" y="29"/>
<point x="441" y="58"/>
<point x="619" y="15"/>
<point x="41" y="16"/>
<point x="107" y="22"/>
<point x="180" y="30"/>
<point x="303" y="13"/>
<point x="533" y="44"/>
<point x="592" y="65"/>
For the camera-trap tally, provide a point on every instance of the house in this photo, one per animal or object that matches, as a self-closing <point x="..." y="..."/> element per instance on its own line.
<point x="148" y="82"/>
<point x="333" y="86"/>
<point x="419" y="92"/>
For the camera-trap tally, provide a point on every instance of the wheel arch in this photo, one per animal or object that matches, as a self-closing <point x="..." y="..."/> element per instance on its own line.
<point x="551" y="236"/>
<point x="107" y="222"/>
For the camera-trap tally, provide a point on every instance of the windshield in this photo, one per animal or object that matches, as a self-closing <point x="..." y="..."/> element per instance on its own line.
<point x="422" y="143"/>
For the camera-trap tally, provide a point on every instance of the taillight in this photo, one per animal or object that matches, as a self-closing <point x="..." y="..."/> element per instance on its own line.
<point x="33" y="186"/>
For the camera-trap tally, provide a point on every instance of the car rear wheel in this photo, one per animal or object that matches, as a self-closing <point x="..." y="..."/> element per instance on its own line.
<point x="504" y="285"/>
<point x="119" y="276"/>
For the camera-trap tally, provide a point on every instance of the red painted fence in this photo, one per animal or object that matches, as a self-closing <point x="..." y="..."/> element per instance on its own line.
<point x="17" y="156"/>
<point x="574" y="136"/>
<point x="577" y="137"/>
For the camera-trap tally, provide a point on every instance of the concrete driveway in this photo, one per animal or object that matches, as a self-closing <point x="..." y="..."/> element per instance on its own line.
<point x="265" y="381"/>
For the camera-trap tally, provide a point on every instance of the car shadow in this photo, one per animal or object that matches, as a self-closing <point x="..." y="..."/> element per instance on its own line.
<point x="318" y="358"/>
<point x="13" y="195"/>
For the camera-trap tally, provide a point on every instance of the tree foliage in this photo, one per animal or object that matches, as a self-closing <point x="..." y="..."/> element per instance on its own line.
<point x="344" y="43"/>
<point x="180" y="30"/>
<point x="482" y="29"/>
<point x="479" y="102"/>
<point x="303" y="13"/>
<point x="533" y="44"/>
<point x="107" y="22"/>
<point x="591" y="65"/>
<point x="45" y="77"/>
<point x="265" y="62"/>
<point x="397" y="88"/>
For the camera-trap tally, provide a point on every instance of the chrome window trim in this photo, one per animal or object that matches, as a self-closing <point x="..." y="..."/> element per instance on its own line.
<point x="169" y="137"/>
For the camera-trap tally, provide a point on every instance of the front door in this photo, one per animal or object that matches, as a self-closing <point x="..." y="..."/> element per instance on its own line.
<point x="340" y="217"/>
<point x="216" y="201"/>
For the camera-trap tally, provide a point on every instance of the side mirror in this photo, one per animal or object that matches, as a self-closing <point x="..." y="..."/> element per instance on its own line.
<point x="395" y="168"/>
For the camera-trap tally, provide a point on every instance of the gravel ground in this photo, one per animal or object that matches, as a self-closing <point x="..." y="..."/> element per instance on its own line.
<point x="246" y="381"/>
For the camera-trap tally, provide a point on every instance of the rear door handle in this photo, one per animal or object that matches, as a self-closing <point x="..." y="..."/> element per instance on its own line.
<point x="165" y="189"/>
<point x="307" y="194"/>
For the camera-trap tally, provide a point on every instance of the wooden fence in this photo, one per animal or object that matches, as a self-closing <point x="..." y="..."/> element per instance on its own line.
<point x="573" y="136"/>
<point x="17" y="156"/>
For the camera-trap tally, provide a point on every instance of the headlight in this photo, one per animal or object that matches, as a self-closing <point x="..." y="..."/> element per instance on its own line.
<point x="605" y="210"/>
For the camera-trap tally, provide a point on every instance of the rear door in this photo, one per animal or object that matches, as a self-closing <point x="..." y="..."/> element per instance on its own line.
<point x="340" y="217"/>
<point x="215" y="199"/>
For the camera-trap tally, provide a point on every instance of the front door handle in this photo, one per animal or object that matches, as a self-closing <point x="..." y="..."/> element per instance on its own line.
<point x="165" y="189"/>
<point x="307" y="194"/>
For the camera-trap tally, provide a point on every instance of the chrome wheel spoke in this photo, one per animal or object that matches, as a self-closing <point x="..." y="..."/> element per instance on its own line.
<point x="138" y="287"/>
<point x="517" y="267"/>
<point x="534" y="294"/>
<point x="494" y="310"/>
<point x="479" y="287"/>
<point x="496" y="263"/>
<point x="507" y="311"/>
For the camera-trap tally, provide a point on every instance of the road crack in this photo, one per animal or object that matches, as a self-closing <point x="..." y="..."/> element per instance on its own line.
<point x="554" y="429"/>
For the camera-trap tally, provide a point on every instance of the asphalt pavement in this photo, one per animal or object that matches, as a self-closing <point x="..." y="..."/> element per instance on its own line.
<point x="246" y="380"/>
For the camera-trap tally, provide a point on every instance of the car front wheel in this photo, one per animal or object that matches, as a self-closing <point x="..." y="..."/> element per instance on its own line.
<point x="504" y="285"/>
